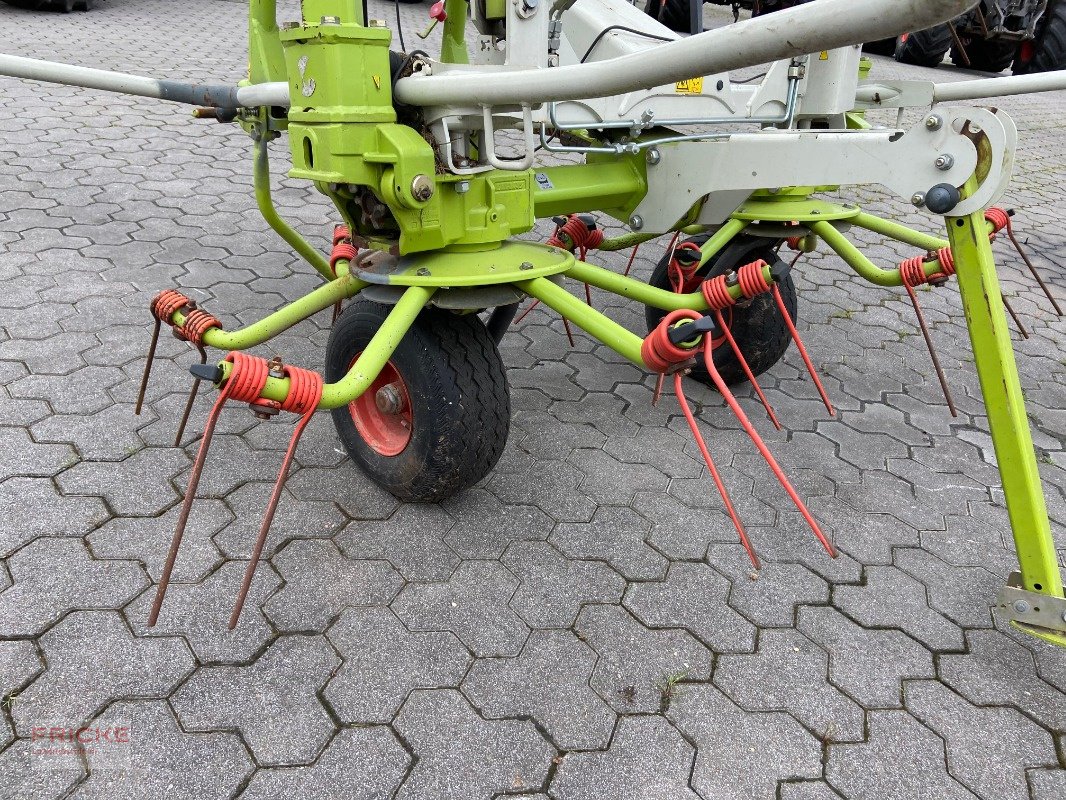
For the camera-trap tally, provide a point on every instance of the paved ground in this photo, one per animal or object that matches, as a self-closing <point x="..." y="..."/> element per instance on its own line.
<point x="580" y="625"/>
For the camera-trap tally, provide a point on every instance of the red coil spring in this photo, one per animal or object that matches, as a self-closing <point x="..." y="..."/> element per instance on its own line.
<point x="751" y="279"/>
<point x="578" y="234"/>
<point x="793" y="242"/>
<point x="340" y="233"/>
<point x="716" y="293"/>
<point x="166" y="303"/>
<point x="345" y="251"/>
<point x="247" y="378"/>
<point x="305" y="390"/>
<point x="912" y="270"/>
<point x="657" y="351"/>
<point x="196" y="324"/>
<point x="681" y="277"/>
<point x="999" y="218"/>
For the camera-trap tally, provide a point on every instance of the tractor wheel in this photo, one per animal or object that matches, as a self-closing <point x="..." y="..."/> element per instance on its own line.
<point x="1048" y="51"/>
<point x="758" y="329"/>
<point x="436" y="419"/>
<point x="986" y="55"/>
<point x="674" y="14"/>
<point x="924" y="48"/>
<point x="881" y="47"/>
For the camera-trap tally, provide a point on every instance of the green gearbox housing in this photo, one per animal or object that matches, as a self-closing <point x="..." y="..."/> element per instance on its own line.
<point x="344" y="135"/>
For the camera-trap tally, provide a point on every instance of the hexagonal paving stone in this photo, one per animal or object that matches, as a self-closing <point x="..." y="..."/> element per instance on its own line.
<point x="52" y="576"/>
<point x="472" y="605"/>
<point x="383" y="662"/>
<point x="615" y="535"/>
<point x="31" y="507"/>
<point x="553" y="588"/>
<point x="320" y="582"/>
<point x="788" y="673"/>
<point x="693" y="596"/>
<point x="988" y="749"/>
<point x="420" y="554"/>
<point x="367" y="762"/>
<point x="549" y="682"/>
<point x="160" y="758"/>
<point x="93" y="658"/>
<point x="900" y="759"/>
<point x="272" y="702"/>
<point x="648" y="759"/>
<point x="740" y="754"/>
<point x="462" y="756"/>
<point x="635" y="663"/>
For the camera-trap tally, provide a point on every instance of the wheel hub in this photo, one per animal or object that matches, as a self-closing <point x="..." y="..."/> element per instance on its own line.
<point x="382" y="414"/>
<point x="389" y="399"/>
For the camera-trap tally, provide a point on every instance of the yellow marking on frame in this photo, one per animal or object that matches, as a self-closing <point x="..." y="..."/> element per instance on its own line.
<point x="690" y="86"/>
<point x="823" y="56"/>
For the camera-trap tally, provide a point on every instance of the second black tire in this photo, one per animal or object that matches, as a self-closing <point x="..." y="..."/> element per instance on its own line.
<point x="460" y="407"/>
<point x="760" y="332"/>
<point x="924" y="48"/>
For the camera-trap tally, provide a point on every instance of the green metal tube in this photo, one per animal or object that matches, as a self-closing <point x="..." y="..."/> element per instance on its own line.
<point x="720" y="238"/>
<point x="266" y="61"/>
<point x="606" y="330"/>
<point x="641" y="292"/>
<point x="261" y="180"/>
<point x="588" y="187"/>
<point x="982" y="301"/>
<point x="281" y="320"/>
<point x="901" y="233"/>
<point x="453" y="46"/>
<point x="840" y="245"/>
<point x="368" y="366"/>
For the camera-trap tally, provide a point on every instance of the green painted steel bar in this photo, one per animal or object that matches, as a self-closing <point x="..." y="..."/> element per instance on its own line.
<point x="453" y="46"/>
<point x="641" y="292"/>
<point x="266" y="61"/>
<point x="572" y="188"/>
<point x="982" y="301"/>
<point x="720" y="238"/>
<point x="368" y="366"/>
<point x="606" y="330"/>
<point x="261" y="180"/>
<point x="901" y="233"/>
<point x="267" y="328"/>
<point x="840" y="245"/>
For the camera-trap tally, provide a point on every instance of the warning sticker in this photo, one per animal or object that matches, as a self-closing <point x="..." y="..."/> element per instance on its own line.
<point x="690" y="86"/>
<point x="823" y="56"/>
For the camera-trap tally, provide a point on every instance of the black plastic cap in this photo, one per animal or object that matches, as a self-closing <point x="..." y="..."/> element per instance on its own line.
<point x="207" y="372"/>
<point x="942" y="198"/>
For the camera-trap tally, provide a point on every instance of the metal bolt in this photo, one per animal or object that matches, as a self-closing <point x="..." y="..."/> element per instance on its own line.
<point x="389" y="399"/>
<point x="918" y="199"/>
<point x="462" y="187"/>
<point x="276" y="369"/>
<point x="944" y="162"/>
<point x="1020" y="606"/>
<point x="636" y="222"/>
<point x="422" y="188"/>
<point x="377" y="23"/>
<point x="330" y="21"/>
<point x="933" y="122"/>
<point x="525" y="265"/>
<point x="290" y="25"/>
<point x="423" y="272"/>
<point x="654" y="156"/>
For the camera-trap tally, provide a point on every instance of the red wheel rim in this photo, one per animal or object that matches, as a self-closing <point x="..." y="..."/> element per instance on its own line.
<point x="382" y="414"/>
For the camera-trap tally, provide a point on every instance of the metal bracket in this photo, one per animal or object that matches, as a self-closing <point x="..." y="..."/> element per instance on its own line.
<point x="1031" y="608"/>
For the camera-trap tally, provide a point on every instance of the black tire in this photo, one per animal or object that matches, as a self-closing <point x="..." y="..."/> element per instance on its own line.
<point x="1048" y="52"/>
<point x="759" y="330"/>
<point x="29" y="5"/>
<point x="460" y="407"/>
<point x="674" y="14"/>
<point x="987" y="55"/>
<point x="881" y="47"/>
<point x="924" y="48"/>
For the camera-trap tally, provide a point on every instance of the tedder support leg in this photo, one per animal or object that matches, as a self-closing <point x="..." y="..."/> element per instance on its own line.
<point x="1004" y="404"/>
<point x="261" y="181"/>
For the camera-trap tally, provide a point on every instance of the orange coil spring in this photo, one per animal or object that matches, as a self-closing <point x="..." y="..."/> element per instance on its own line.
<point x="657" y="351"/>
<point x="196" y="324"/>
<point x="247" y="378"/>
<point x="305" y="390"/>
<point x="716" y="293"/>
<point x="912" y="271"/>
<point x="166" y="303"/>
<point x="751" y="279"/>
<point x="340" y="233"/>
<point x="793" y="242"/>
<point x="999" y="218"/>
<point x="345" y="251"/>
<point x="578" y="234"/>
